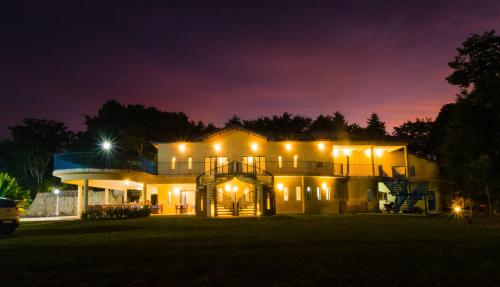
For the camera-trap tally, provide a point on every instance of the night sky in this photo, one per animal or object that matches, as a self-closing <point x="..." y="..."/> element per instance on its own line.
<point x="213" y="59"/>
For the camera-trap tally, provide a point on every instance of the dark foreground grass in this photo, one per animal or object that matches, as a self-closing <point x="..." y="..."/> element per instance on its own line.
<point x="277" y="251"/>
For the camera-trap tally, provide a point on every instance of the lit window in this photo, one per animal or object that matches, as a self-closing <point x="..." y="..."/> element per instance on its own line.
<point x="328" y="194"/>
<point x="285" y="194"/>
<point x="309" y="195"/>
<point x="169" y="197"/>
<point x="173" y="163"/>
<point x="318" y="193"/>
<point x="280" y="161"/>
<point x="295" y="161"/>
<point x="250" y="160"/>
<point x="190" y="163"/>
<point x="298" y="193"/>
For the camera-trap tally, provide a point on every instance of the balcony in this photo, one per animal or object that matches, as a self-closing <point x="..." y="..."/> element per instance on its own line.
<point x="100" y="160"/>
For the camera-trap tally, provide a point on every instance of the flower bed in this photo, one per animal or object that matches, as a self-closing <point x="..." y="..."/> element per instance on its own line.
<point x="100" y="212"/>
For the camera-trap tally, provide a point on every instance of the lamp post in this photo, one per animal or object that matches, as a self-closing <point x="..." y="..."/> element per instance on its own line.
<point x="57" y="192"/>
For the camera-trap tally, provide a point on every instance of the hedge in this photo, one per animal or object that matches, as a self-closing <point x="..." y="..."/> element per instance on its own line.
<point x="99" y="212"/>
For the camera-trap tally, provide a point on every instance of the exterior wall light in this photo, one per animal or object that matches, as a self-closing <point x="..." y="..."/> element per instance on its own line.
<point x="379" y="152"/>
<point x="177" y="191"/>
<point x="227" y="187"/>
<point x="182" y="147"/>
<point x="288" y="146"/>
<point x="347" y="152"/>
<point x="254" y="147"/>
<point x="324" y="186"/>
<point x="335" y="152"/>
<point x="217" y="147"/>
<point x="126" y="182"/>
<point x="321" y="146"/>
<point x="279" y="186"/>
<point x="235" y="188"/>
<point x="368" y="152"/>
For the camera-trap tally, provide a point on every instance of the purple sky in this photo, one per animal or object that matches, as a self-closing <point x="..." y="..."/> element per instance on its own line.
<point x="212" y="59"/>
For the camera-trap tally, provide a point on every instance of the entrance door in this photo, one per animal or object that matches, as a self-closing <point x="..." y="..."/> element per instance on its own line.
<point x="253" y="163"/>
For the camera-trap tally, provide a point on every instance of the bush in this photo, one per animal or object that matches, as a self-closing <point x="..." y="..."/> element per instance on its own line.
<point x="98" y="212"/>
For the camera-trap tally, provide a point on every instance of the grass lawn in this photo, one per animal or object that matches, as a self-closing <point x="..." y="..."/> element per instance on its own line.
<point x="274" y="251"/>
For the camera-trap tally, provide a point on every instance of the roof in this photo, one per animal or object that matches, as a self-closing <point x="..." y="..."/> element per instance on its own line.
<point x="232" y="128"/>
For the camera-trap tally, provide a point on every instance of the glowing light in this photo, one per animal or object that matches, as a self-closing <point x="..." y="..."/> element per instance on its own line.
<point x="254" y="147"/>
<point x="279" y="186"/>
<point x="347" y="152"/>
<point x="177" y="191"/>
<point x="217" y="147"/>
<point x="250" y="160"/>
<point x="335" y="152"/>
<point x="126" y="182"/>
<point x="106" y="145"/>
<point x="379" y="152"/>
<point x="182" y="147"/>
<point x="321" y="146"/>
<point x="324" y="185"/>
<point x="288" y="146"/>
<point x="56" y="191"/>
<point x="235" y="188"/>
<point x="457" y="209"/>
<point x="227" y="187"/>
<point x="368" y="152"/>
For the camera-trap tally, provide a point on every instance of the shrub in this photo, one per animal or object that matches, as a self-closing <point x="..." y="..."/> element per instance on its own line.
<point x="99" y="212"/>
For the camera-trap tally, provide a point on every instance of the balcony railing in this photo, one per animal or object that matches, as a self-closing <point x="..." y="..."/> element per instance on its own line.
<point x="96" y="160"/>
<point x="85" y="160"/>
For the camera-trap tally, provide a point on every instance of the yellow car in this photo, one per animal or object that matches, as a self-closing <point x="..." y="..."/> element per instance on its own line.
<point x="9" y="216"/>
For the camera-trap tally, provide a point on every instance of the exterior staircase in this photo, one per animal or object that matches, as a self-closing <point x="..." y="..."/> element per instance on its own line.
<point x="247" y="210"/>
<point x="224" y="211"/>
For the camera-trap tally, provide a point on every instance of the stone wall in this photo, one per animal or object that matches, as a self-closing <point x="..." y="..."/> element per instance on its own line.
<point x="45" y="202"/>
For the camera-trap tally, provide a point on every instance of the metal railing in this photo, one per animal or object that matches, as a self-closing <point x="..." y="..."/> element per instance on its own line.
<point x="97" y="160"/>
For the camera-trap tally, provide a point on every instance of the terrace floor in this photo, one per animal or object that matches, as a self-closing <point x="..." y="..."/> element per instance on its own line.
<point x="337" y="250"/>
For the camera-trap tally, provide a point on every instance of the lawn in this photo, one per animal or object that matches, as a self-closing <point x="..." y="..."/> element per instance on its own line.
<point x="274" y="251"/>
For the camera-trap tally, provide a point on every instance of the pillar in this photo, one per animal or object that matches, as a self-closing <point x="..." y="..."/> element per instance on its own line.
<point x="373" y="160"/>
<point x="144" y="194"/>
<point x="85" y="195"/>
<point x="125" y="196"/>
<point x="79" y="201"/>
<point x="106" y="196"/>
<point x="405" y="149"/>
<point x="207" y="200"/>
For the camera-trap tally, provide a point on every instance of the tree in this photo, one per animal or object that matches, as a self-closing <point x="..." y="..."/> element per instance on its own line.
<point x="284" y="126"/>
<point x="28" y="155"/>
<point x="471" y="139"/>
<point x="135" y="127"/>
<point x="10" y="189"/>
<point x="417" y="133"/>
<point x="234" y="121"/>
<point x="375" y="128"/>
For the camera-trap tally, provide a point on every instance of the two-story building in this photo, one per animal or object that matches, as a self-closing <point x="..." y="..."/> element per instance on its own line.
<point x="239" y="172"/>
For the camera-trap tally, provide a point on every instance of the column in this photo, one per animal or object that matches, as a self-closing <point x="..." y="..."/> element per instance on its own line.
<point x="125" y="196"/>
<point x="79" y="200"/>
<point x="406" y="161"/>
<point x="144" y="194"/>
<point x="106" y="196"/>
<point x="85" y="195"/>
<point x="207" y="200"/>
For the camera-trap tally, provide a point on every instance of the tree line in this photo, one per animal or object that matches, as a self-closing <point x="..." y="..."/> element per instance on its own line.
<point x="464" y="138"/>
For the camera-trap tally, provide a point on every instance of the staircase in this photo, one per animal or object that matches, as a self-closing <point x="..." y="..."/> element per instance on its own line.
<point x="224" y="211"/>
<point x="248" y="210"/>
<point x="406" y="201"/>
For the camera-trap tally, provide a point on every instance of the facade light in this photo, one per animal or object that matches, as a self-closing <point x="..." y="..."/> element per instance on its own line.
<point x="182" y="147"/>
<point x="324" y="186"/>
<point x="254" y="147"/>
<point x="126" y="182"/>
<point x="347" y="152"/>
<point x="279" y="186"/>
<point x="288" y="146"/>
<point x="227" y="187"/>
<point x="368" y="152"/>
<point x="321" y="146"/>
<point x="379" y="152"/>
<point x="235" y="188"/>
<point x="335" y="152"/>
<point x="217" y="147"/>
<point x="177" y="191"/>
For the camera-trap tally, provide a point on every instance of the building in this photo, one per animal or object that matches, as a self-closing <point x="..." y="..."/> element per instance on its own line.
<point x="235" y="171"/>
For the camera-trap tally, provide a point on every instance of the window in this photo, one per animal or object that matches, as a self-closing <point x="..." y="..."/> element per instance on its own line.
<point x="173" y="163"/>
<point x="190" y="163"/>
<point x="247" y="194"/>
<point x="280" y="161"/>
<point x="220" y="195"/>
<point x="298" y="193"/>
<point x="309" y="195"/>
<point x="318" y="193"/>
<point x="285" y="194"/>
<point x="295" y="161"/>
<point x="328" y="195"/>
<point x="169" y="197"/>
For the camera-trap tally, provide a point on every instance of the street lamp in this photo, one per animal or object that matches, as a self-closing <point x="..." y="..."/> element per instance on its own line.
<point x="57" y="192"/>
<point x="106" y="145"/>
